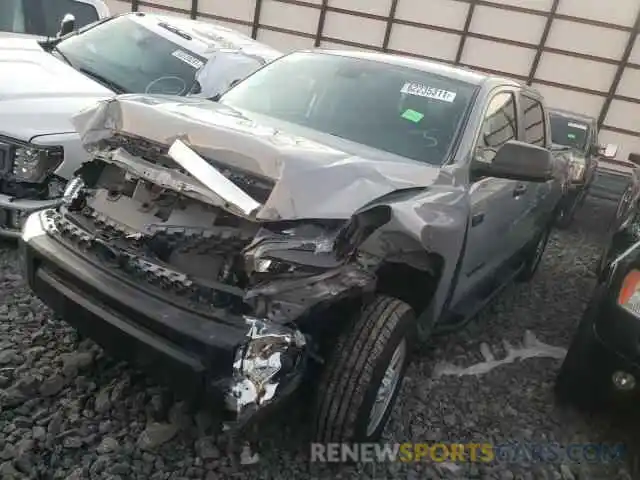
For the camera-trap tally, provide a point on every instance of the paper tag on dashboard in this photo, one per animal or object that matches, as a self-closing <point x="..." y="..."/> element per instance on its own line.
<point x="420" y="90"/>
<point x="578" y="125"/>
<point x="188" y="59"/>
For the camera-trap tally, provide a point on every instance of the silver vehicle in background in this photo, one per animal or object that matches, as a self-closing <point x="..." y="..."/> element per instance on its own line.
<point x="49" y="81"/>
<point x="576" y="136"/>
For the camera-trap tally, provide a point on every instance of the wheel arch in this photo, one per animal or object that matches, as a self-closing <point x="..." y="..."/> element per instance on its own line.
<point x="414" y="283"/>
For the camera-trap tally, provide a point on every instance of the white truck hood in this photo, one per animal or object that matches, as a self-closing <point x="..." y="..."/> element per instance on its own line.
<point x="5" y="35"/>
<point x="39" y="93"/>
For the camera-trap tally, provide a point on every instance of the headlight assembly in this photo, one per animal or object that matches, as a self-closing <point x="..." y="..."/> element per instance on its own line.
<point x="267" y="265"/>
<point x="72" y="190"/>
<point x="629" y="296"/>
<point x="33" y="164"/>
<point x="270" y="360"/>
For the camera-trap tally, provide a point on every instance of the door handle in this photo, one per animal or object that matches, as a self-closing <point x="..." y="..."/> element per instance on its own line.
<point x="477" y="219"/>
<point x="520" y="190"/>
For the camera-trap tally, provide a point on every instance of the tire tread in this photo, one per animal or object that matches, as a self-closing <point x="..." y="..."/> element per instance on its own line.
<point x="344" y="384"/>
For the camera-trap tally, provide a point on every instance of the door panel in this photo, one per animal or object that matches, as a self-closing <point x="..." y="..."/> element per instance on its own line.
<point x="491" y="200"/>
<point x="493" y="204"/>
<point x="535" y="203"/>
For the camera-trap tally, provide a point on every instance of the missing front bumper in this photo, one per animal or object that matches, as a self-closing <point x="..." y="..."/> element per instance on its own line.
<point x="235" y="364"/>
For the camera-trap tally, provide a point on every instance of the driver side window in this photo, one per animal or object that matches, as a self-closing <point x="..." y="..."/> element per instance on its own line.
<point x="498" y="127"/>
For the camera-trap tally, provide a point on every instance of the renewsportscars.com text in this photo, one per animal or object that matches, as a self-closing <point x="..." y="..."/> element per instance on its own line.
<point x="513" y="452"/>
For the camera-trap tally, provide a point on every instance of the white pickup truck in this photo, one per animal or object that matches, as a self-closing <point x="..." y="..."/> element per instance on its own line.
<point x="49" y="81"/>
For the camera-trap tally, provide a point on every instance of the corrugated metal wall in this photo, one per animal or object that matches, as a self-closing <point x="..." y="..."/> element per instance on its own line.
<point x="583" y="55"/>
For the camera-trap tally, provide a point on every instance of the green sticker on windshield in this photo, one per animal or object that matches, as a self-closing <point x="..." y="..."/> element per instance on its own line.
<point x="412" y="115"/>
<point x="572" y="136"/>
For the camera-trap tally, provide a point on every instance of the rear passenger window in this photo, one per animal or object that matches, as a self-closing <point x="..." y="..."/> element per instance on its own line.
<point x="498" y="127"/>
<point x="533" y="120"/>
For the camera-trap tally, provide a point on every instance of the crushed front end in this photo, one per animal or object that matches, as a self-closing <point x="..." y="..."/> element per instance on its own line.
<point x="146" y="261"/>
<point x="27" y="182"/>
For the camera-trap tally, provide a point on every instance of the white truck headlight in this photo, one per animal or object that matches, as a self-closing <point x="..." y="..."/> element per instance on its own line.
<point x="629" y="296"/>
<point x="33" y="164"/>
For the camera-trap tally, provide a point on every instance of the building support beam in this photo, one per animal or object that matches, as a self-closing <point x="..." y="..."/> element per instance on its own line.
<point x="543" y="41"/>
<point x="624" y="61"/>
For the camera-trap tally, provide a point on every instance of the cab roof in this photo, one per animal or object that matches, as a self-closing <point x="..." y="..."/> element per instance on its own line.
<point x="457" y="73"/>
<point x="574" y="115"/>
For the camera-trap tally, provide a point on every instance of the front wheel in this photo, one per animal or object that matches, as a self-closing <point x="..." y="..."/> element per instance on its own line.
<point x="363" y="376"/>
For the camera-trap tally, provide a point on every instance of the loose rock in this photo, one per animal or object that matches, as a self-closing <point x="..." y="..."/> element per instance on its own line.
<point x="109" y="421"/>
<point x="52" y="385"/>
<point x="156" y="434"/>
<point x="108" y="445"/>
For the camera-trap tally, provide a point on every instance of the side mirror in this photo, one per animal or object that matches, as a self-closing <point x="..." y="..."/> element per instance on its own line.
<point x="223" y="71"/>
<point x="594" y="150"/>
<point x="634" y="158"/>
<point x="67" y="25"/>
<point x="196" y="88"/>
<point x="520" y="161"/>
<point x="609" y="151"/>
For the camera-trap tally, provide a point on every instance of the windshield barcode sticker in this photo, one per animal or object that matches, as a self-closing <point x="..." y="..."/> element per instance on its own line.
<point x="577" y="125"/>
<point x="420" y="90"/>
<point x="188" y="59"/>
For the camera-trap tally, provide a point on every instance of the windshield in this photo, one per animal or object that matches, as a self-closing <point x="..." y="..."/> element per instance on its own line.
<point x="403" y="111"/>
<point x="42" y="17"/>
<point x="569" y="132"/>
<point x="129" y="57"/>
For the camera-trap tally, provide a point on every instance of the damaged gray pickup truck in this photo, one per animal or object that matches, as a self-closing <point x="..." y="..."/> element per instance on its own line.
<point x="324" y="215"/>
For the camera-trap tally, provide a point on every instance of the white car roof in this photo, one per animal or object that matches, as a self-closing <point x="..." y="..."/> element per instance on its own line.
<point x="206" y="38"/>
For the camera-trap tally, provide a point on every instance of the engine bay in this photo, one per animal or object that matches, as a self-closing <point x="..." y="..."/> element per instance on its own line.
<point x="146" y="222"/>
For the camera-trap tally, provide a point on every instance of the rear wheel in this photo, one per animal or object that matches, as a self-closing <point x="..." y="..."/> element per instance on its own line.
<point x="534" y="256"/>
<point x="567" y="211"/>
<point x="564" y="218"/>
<point x="363" y="376"/>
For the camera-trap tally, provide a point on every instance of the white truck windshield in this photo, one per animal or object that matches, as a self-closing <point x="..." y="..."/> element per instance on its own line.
<point x="403" y="111"/>
<point x="130" y="58"/>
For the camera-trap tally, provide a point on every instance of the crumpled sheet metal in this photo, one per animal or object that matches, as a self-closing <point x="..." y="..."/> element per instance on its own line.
<point x="311" y="180"/>
<point x="270" y="363"/>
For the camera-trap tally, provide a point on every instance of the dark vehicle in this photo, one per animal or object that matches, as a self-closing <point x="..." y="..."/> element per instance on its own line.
<point x="578" y="135"/>
<point x="603" y="362"/>
<point x="614" y="176"/>
<point x="233" y="247"/>
<point x="43" y="18"/>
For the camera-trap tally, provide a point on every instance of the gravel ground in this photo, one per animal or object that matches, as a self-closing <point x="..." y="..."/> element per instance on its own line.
<point x="68" y="411"/>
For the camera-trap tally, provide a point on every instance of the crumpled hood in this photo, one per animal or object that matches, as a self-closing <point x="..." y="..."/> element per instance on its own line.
<point x="38" y="92"/>
<point x="316" y="175"/>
